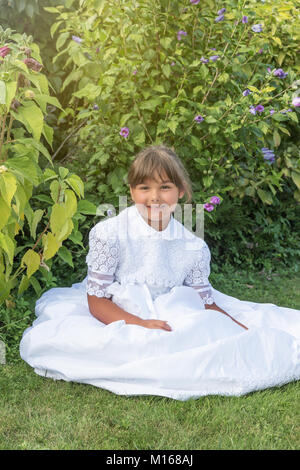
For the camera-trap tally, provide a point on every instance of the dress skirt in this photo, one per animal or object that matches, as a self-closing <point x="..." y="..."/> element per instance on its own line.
<point x="206" y="353"/>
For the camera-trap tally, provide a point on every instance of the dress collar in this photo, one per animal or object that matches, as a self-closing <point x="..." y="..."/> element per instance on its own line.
<point x="138" y="227"/>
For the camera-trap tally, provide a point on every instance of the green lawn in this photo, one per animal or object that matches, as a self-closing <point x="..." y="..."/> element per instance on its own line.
<point x="39" y="413"/>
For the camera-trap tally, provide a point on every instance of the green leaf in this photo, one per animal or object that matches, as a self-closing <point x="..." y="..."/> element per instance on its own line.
<point x="8" y="246"/>
<point x="196" y="142"/>
<point x="76" y="184"/>
<point x="296" y="178"/>
<point x="36" y="285"/>
<point x="265" y="196"/>
<point x="263" y="126"/>
<point x="70" y="202"/>
<point x="32" y="260"/>
<point x="51" y="245"/>
<point x="65" y="255"/>
<point x="140" y="138"/>
<point x="54" y="28"/>
<point x="293" y="116"/>
<point x="58" y="218"/>
<point x="8" y="186"/>
<point x="43" y="100"/>
<point x="37" y="216"/>
<point x="31" y="115"/>
<point x="24" y="167"/>
<point x="62" y="39"/>
<point x="210" y="120"/>
<point x="23" y="284"/>
<point x="167" y="70"/>
<point x="63" y="172"/>
<point x="90" y="91"/>
<point x="173" y="126"/>
<point x="2" y="92"/>
<point x="74" y="76"/>
<point x="276" y="138"/>
<point x="48" y="134"/>
<point x="166" y="42"/>
<point x="86" y="207"/>
<point x="51" y="9"/>
<point x="11" y="88"/>
<point x="54" y="190"/>
<point x="151" y="104"/>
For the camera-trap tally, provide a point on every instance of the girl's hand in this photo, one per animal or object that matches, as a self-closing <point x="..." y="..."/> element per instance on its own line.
<point x="156" y="324"/>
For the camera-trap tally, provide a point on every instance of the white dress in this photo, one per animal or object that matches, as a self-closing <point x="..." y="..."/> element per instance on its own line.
<point x="162" y="275"/>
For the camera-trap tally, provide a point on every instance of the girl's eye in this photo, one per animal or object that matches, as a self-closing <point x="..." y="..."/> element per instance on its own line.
<point x="165" y="186"/>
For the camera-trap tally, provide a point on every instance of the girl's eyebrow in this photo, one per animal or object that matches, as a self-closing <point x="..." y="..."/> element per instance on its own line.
<point x="162" y="182"/>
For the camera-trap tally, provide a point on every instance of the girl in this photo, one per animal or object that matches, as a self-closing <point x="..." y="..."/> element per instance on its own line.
<point x="146" y="320"/>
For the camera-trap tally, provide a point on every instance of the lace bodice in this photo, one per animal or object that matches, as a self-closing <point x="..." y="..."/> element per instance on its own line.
<point x="125" y="249"/>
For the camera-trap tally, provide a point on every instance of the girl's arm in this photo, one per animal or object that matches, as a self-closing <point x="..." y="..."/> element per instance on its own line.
<point x="215" y="307"/>
<point x="107" y="312"/>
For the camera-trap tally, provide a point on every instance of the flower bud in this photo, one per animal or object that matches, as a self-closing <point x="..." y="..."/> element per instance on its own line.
<point x="3" y="168"/>
<point x="33" y="64"/>
<point x="29" y="94"/>
<point x="15" y="104"/>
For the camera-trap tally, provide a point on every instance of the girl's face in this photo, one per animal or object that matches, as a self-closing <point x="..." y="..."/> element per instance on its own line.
<point x="156" y="198"/>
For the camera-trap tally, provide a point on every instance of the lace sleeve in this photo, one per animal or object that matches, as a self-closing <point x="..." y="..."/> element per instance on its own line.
<point x="199" y="274"/>
<point x="102" y="260"/>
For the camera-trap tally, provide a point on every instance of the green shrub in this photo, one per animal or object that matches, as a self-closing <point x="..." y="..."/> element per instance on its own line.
<point x="130" y="68"/>
<point x="24" y="135"/>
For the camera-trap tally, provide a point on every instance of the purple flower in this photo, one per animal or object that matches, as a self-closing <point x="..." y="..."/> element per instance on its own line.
<point x="199" y="118"/>
<point x="203" y="60"/>
<point x="215" y="200"/>
<point x="268" y="155"/>
<point x="180" y="33"/>
<point x="209" y="207"/>
<point x="95" y="107"/>
<point x="219" y="18"/>
<point x="257" y="28"/>
<point x="252" y="110"/>
<point x="77" y="39"/>
<point x="221" y="11"/>
<point x="4" y="51"/>
<point x="259" y="108"/>
<point x="214" y="58"/>
<point x="246" y="92"/>
<point x="110" y="212"/>
<point x="296" y="101"/>
<point x="134" y="72"/>
<point x="173" y="63"/>
<point x="269" y="70"/>
<point x="260" y="51"/>
<point x="195" y="2"/>
<point x="124" y="132"/>
<point x="272" y="111"/>
<point x="245" y="19"/>
<point x="279" y="73"/>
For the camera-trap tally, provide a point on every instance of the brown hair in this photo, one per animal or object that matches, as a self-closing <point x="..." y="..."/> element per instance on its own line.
<point x="160" y="159"/>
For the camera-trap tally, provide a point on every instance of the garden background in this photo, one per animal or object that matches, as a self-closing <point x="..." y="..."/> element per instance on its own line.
<point x="86" y="84"/>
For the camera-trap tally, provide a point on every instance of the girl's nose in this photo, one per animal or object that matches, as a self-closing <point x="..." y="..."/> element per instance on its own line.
<point x="154" y="197"/>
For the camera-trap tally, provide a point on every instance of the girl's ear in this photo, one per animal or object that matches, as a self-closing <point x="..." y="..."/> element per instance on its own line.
<point x="181" y="194"/>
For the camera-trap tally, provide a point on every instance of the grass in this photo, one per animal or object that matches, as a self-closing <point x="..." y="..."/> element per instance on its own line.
<point x="38" y="413"/>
